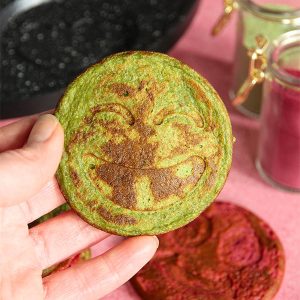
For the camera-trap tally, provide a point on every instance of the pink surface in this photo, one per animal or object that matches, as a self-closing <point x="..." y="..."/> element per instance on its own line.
<point x="212" y="58"/>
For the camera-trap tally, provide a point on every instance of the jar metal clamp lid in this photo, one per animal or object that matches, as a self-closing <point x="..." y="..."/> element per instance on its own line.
<point x="266" y="58"/>
<point x="263" y="45"/>
<point x="283" y="16"/>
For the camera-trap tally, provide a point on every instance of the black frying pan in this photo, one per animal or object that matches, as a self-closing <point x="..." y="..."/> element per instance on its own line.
<point x="45" y="44"/>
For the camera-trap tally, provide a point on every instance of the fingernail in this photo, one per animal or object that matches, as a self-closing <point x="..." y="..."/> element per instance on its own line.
<point x="42" y="129"/>
<point x="156" y="240"/>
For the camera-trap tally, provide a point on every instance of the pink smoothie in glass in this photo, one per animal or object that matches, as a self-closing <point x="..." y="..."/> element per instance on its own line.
<point x="279" y="147"/>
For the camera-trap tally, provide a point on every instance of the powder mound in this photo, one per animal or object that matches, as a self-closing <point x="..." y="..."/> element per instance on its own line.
<point x="226" y="253"/>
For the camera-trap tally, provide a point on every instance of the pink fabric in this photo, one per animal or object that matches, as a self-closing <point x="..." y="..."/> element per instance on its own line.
<point x="212" y="58"/>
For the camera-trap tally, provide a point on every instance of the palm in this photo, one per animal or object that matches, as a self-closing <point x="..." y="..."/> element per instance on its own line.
<point x="27" y="192"/>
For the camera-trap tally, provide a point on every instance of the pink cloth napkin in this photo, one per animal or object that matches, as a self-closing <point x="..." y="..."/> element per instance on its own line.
<point x="212" y="57"/>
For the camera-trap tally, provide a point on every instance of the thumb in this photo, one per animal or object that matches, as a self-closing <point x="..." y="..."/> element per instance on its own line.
<point x="24" y="171"/>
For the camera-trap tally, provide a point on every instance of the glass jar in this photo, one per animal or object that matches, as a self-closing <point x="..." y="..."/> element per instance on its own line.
<point x="278" y="159"/>
<point x="269" y="18"/>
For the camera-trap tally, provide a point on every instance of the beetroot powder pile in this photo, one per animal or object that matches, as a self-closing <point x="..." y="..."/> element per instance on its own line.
<point x="279" y="147"/>
<point x="227" y="253"/>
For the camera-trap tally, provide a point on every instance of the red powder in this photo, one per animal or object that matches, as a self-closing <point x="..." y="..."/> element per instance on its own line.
<point x="226" y="253"/>
<point x="279" y="148"/>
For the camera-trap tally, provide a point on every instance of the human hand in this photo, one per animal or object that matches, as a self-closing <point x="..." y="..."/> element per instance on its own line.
<point x="30" y="151"/>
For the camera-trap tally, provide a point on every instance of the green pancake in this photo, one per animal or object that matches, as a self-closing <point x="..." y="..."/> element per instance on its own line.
<point x="148" y="144"/>
<point x="55" y="212"/>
